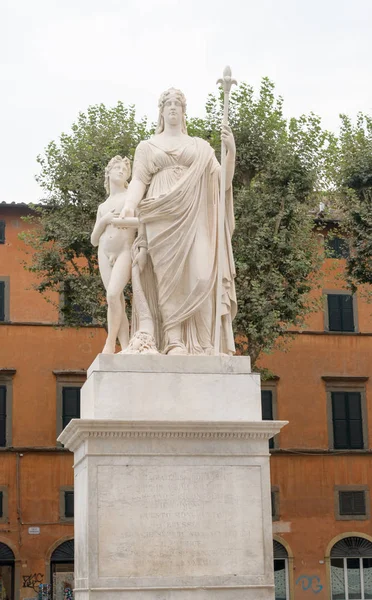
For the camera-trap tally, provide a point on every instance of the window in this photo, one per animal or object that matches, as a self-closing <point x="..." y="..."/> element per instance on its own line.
<point x="69" y="384"/>
<point x="281" y="578"/>
<point x="347" y="420"/>
<point x="351" y="569"/>
<point x="3" y="504"/>
<point x="69" y="504"/>
<point x="2" y="232"/>
<point x="6" y="379"/>
<point x="268" y="407"/>
<point x="340" y="312"/>
<point x="347" y="412"/>
<point x="275" y="503"/>
<point x="70" y="310"/>
<point x="352" y="503"/>
<point x="336" y="247"/>
<point x="2" y="415"/>
<point x="66" y="504"/>
<point x="70" y="404"/>
<point x="4" y="298"/>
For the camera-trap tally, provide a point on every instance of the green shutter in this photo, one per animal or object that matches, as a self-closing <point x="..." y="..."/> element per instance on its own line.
<point x="2" y="232"/>
<point x="2" y="300"/>
<point x="70" y="404"/>
<point x="2" y="415"/>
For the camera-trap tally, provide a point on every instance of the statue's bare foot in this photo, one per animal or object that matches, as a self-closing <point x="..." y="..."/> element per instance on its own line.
<point x="176" y="349"/>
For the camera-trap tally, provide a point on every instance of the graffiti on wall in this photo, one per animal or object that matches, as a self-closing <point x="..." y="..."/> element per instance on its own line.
<point x="33" y="581"/>
<point x="310" y="583"/>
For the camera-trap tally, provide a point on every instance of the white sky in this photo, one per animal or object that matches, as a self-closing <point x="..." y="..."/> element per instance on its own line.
<point x="59" y="56"/>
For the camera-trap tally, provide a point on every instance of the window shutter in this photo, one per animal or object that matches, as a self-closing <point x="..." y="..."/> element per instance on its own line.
<point x="69" y="504"/>
<point x="334" y="313"/>
<point x="347" y="420"/>
<point x="267" y="409"/>
<point x="2" y="232"/>
<point x="352" y="503"/>
<point x="267" y="405"/>
<point x="2" y="300"/>
<point x="70" y="404"/>
<point x="355" y="419"/>
<point x="2" y="415"/>
<point x="336" y="247"/>
<point x="340" y="312"/>
<point x="347" y="312"/>
<point x="340" y="434"/>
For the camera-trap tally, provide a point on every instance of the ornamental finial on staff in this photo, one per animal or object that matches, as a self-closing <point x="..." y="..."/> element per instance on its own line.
<point x="226" y="80"/>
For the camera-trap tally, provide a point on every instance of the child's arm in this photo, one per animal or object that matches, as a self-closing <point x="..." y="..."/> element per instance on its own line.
<point x="100" y="225"/>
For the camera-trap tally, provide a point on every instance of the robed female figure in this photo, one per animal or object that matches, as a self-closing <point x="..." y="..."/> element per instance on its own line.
<point x="175" y="192"/>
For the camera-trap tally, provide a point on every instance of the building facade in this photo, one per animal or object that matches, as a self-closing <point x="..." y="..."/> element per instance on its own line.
<point x="321" y="462"/>
<point x="42" y="367"/>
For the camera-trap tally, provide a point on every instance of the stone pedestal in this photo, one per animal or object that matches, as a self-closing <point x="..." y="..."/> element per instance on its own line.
<point x="172" y="482"/>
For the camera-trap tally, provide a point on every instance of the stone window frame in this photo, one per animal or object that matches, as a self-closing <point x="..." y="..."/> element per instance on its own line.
<point x="355" y="311"/>
<point x="62" y="515"/>
<point x="6" y="379"/>
<point x="352" y="488"/>
<point x="346" y="384"/>
<point x="66" y="379"/>
<point x="275" y="495"/>
<point x="6" y="280"/>
<point x="272" y="385"/>
<point x="5" y="492"/>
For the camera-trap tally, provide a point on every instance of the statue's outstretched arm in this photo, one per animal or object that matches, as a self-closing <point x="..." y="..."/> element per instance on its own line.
<point x="136" y="192"/>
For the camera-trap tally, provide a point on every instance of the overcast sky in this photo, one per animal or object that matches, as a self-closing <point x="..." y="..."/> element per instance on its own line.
<point x="59" y="56"/>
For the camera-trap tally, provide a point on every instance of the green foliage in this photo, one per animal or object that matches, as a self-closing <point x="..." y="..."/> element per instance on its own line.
<point x="352" y="165"/>
<point x="280" y="164"/>
<point x="72" y="176"/>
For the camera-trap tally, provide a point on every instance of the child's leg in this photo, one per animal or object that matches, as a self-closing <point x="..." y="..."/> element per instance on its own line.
<point x="116" y="316"/>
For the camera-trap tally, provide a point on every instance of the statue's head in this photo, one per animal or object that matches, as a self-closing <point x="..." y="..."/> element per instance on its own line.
<point x="118" y="170"/>
<point x="172" y="109"/>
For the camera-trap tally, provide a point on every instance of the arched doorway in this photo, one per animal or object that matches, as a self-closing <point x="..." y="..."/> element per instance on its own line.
<point x="351" y="569"/>
<point x="62" y="570"/>
<point x="6" y="572"/>
<point x="281" y="572"/>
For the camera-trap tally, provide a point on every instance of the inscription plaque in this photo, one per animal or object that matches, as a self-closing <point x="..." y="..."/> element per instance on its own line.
<point x="179" y="520"/>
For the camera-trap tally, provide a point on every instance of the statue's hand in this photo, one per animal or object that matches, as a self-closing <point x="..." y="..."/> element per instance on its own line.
<point x="228" y="139"/>
<point x="141" y="259"/>
<point x="127" y="211"/>
<point x="107" y="218"/>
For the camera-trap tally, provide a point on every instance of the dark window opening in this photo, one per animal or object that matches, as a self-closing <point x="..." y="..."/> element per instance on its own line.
<point x="347" y="420"/>
<point x="352" y="503"/>
<point x="69" y="504"/>
<point x="337" y="247"/>
<point x="2" y="232"/>
<point x="2" y="415"/>
<point x="2" y="300"/>
<point x="340" y="312"/>
<point x="70" y="404"/>
<point x="267" y="409"/>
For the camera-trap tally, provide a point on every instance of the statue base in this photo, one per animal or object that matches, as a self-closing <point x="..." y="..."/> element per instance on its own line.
<point x="172" y="482"/>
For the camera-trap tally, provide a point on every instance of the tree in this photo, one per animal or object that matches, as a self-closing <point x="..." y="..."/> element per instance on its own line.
<point x="353" y="174"/>
<point x="279" y="166"/>
<point x="72" y="176"/>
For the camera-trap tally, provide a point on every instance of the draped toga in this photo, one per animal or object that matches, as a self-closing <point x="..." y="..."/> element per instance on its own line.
<point x="178" y="217"/>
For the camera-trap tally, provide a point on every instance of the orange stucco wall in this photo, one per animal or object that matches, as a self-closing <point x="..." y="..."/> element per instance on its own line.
<point x="306" y="480"/>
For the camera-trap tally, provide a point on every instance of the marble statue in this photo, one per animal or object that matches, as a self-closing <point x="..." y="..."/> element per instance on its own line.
<point x="175" y="192"/>
<point x="114" y="251"/>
